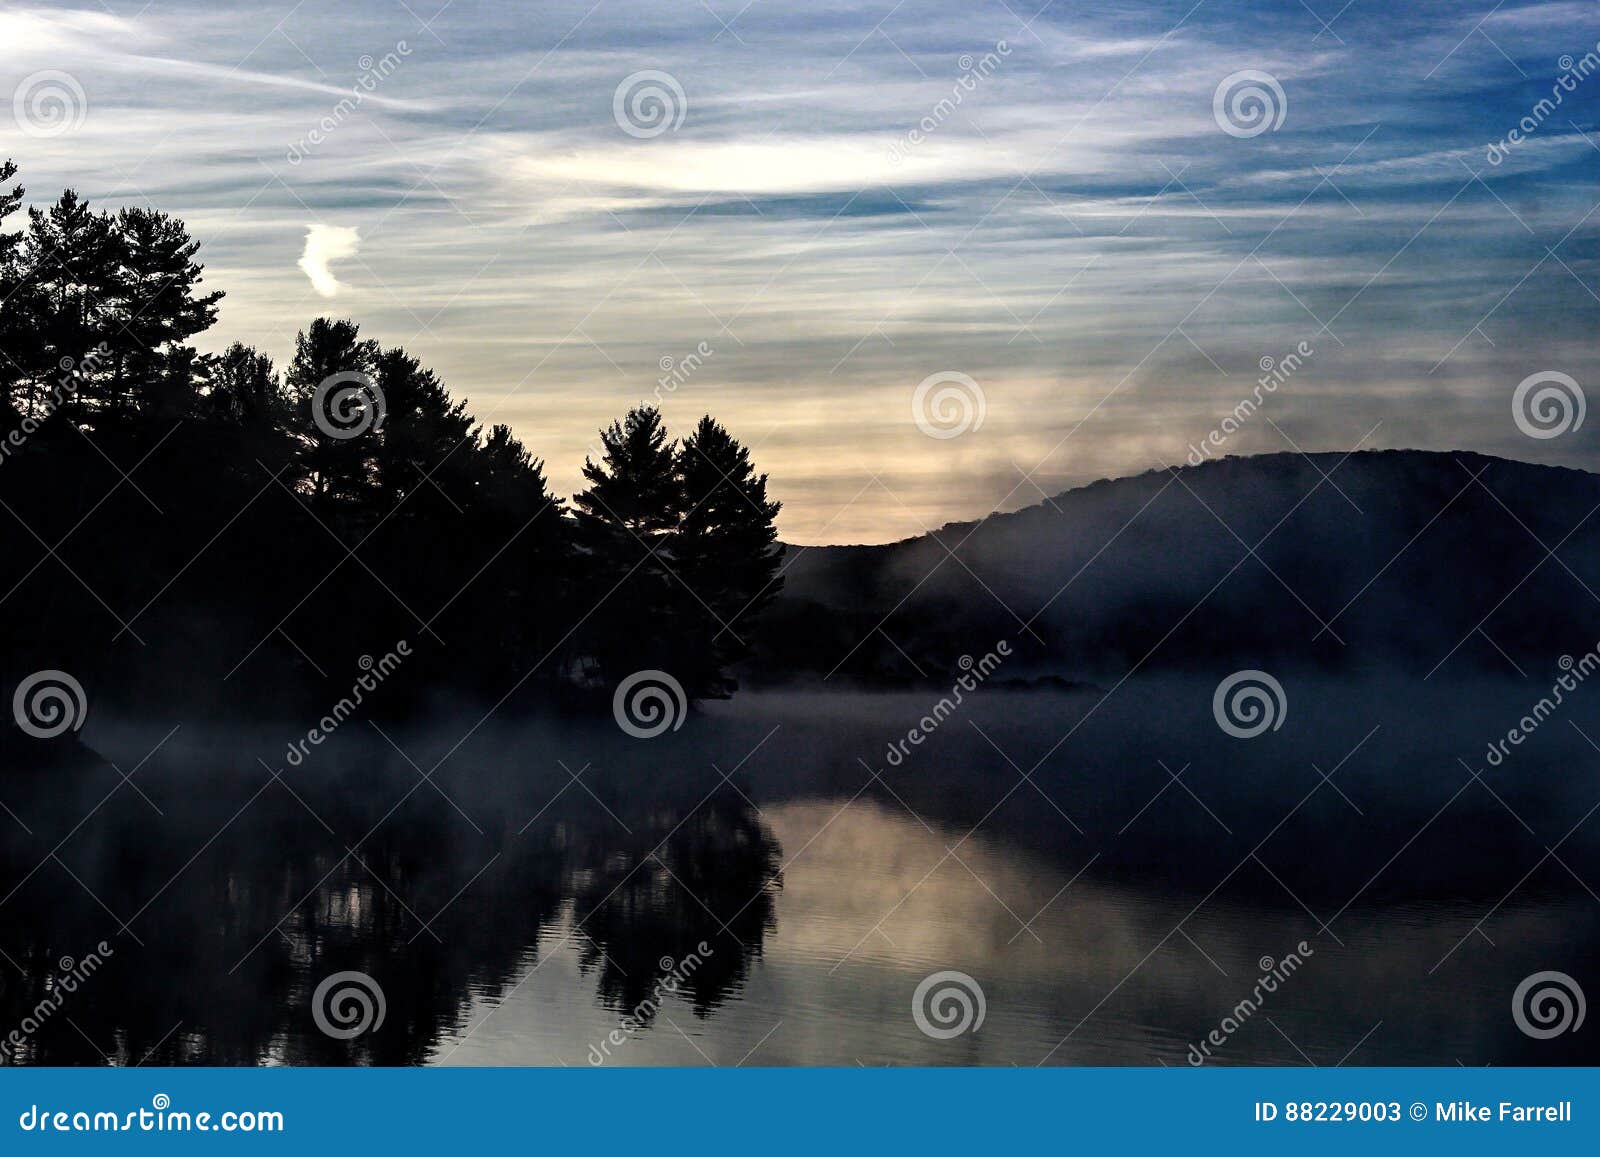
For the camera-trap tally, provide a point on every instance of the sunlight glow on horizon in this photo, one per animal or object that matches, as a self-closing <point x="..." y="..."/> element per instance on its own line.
<point x="841" y="214"/>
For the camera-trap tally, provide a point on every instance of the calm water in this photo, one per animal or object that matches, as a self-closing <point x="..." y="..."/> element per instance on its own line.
<point x="513" y="912"/>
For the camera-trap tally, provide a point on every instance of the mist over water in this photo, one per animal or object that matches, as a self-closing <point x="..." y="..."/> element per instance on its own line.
<point x="1113" y="874"/>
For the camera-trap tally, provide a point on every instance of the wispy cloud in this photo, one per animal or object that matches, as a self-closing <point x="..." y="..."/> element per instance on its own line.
<point x="216" y="75"/>
<point x="1075" y="231"/>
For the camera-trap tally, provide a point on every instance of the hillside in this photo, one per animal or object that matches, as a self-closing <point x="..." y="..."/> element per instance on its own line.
<point x="1418" y="560"/>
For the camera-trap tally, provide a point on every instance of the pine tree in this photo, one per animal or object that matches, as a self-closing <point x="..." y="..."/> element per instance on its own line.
<point x="510" y="482"/>
<point x="340" y="467"/>
<point x="633" y="490"/>
<point x="10" y="202"/>
<point x="19" y="335"/>
<point x="453" y="526"/>
<point x="421" y="451"/>
<point x="725" y="551"/>
<point x="244" y="390"/>
<point x="522" y="524"/>
<point x="70" y="257"/>
<point x="625" y="521"/>
<point x="156" y="309"/>
<point x="245" y="397"/>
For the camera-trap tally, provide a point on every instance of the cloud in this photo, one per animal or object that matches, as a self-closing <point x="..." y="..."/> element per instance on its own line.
<point x="33" y="32"/>
<point x="187" y="70"/>
<point x="1074" y="230"/>
<point x="324" y="245"/>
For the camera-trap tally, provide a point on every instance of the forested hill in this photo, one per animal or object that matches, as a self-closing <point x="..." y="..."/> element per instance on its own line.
<point x="1374" y="560"/>
<point x="219" y="531"/>
<point x="222" y="530"/>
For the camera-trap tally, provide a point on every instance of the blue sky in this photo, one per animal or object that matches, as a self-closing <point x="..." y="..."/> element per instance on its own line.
<point x="1079" y="235"/>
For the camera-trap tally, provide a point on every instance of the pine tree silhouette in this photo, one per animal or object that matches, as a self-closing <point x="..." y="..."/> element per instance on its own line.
<point x="625" y="523"/>
<point x="257" y="524"/>
<point x="341" y="468"/>
<point x="725" y="550"/>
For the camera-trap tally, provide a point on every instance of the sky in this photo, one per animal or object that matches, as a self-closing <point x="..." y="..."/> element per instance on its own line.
<point x="929" y="259"/>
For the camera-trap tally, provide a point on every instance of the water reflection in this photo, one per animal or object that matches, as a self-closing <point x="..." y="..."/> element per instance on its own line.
<point x="223" y="947"/>
<point x="534" y="894"/>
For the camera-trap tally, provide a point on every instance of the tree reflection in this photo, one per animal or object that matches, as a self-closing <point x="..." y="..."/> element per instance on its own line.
<point x="235" y="913"/>
<point x="707" y="880"/>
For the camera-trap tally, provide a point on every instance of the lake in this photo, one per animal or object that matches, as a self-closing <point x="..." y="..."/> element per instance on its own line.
<point x="1048" y="878"/>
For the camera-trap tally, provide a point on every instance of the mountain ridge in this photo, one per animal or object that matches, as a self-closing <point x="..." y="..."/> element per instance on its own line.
<point x="1413" y="549"/>
<point x="1156" y="471"/>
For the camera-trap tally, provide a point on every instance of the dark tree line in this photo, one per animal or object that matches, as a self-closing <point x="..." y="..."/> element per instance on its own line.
<point x="684" y="536"/>
<point x="216" y="526"/>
